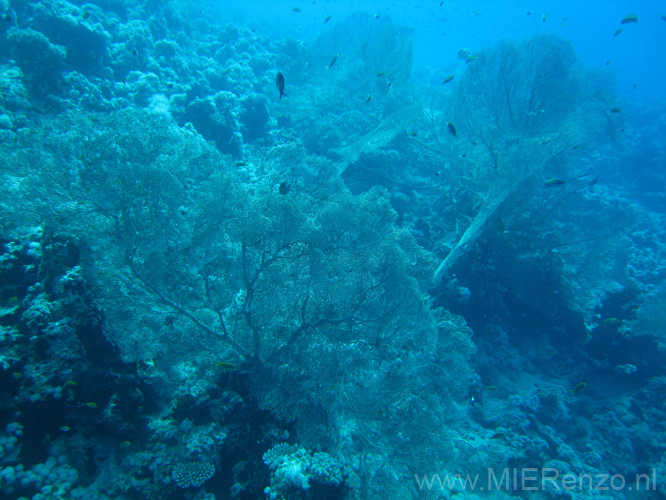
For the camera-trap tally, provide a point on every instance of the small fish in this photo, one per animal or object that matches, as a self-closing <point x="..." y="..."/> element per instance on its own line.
<point x="225" y="366"/>
<point x="297" y="9"/>
<point x="634" y="86"/>
<point x="413" y="133"/>
<point x="91" y="405"/>
<point x="576" y="146"/>
<point x="615" y="110"/>
<point x="663" y="18"/>
<point x="491" y="388"/>
<point x="478" y="12"/>
<point x="631" y="18"/>
<point x="85" y="14"/>
<point x="70" y="383"/>
<point x="611" y="321"/>
<point x="579" y="388"/>
<point x="279" y="83"/>
<point x="449" y="78"/>
<point x="284" y="188"/>
<point x="451" y="129"/>
<point x="367" y="99"/>
<point x="335" y="58"/>
<point x="543" y="18"/>
<point x="376" y="16"/>
<point x="381" y="73"/>
<point x="241" y="164"/>
<point x="529" y="13"/>
<point x="64" y="428"/>
<point x="125" y="444"/>
<point x="498" y="435"/>
<point x="17" y="375"/>
<point x="617" y="32"/>
<point x="441" y="3"/>
<point x="554" y="181"/>
<point x="328" y="18"/>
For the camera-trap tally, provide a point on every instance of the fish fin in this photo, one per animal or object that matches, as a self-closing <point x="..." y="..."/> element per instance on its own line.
<point x="283" y="94"/>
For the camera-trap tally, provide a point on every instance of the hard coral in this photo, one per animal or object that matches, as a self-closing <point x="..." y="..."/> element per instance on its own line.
<point x="192" y="474"/>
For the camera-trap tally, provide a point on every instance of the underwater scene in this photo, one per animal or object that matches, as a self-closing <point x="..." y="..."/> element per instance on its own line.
<point x="332" y="250"/>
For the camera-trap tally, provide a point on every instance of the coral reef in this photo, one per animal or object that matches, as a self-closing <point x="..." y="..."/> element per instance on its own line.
<point x="293" y="468"/>
<point x="207" y="291"/>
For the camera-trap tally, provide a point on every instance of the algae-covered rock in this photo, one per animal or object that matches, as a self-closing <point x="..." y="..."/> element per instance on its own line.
<point x="40" y="60"/>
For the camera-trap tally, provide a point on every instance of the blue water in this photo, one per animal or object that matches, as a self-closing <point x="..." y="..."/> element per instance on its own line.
<point x="332" y="250"/>
<point x="442" y="30"/>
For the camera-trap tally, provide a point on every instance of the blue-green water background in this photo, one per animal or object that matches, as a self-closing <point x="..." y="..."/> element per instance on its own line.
<point x="636" y="55"/>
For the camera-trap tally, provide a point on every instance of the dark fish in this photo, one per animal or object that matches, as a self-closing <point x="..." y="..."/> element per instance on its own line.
<point x="328" y="18"/>
<point x="616" y="110"/>
<point x="579" y="387"/>
<point x="297" y="9"/>
<point x="467" y="55"/>
<point x="554" y="181"/>
<point x="451" y="129"/>
<point x="85" y="15"/>
<point x="617" y="32"/>
<point x="368" y="98"/>
<point x="449" y="78"/>
<point x="284" y="188"/>
<point x="279" y="83"/>
<point x="631" y="18"/>
<point x="335" y="58"/>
